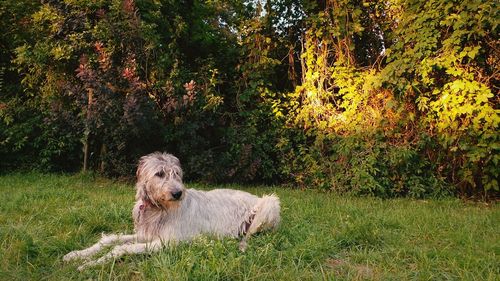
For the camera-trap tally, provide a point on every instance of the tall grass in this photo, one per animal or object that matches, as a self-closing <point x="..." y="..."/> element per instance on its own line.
<point x="322" y="236"/>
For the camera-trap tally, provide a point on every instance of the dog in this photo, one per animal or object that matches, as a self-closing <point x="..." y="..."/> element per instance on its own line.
<point x="165" y="212"/>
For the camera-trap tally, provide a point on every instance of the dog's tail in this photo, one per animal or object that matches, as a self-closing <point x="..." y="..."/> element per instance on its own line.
<point x="266" y="215"/>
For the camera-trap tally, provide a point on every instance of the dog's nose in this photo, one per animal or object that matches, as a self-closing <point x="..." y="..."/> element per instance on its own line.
<point x="176" y="195"/>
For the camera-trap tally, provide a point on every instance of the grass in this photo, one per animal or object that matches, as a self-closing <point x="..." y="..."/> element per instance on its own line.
<point x="322" y="237"/>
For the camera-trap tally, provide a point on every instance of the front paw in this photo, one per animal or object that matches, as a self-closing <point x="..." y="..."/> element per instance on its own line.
<point x="243" y="245"/>
<point x="83" y="267"/>
<point x="72" y="256"/>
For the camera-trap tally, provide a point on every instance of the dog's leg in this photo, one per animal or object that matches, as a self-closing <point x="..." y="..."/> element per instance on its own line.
<point x="120" y="250"/>
<point x="267" y="216"/>
<point x="106" y="240"/>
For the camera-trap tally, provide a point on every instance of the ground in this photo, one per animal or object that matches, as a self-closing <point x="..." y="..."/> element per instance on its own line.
<point x="323" y="236"/>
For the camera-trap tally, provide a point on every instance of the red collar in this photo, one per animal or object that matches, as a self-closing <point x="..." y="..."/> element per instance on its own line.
<point x="145" y="204"/>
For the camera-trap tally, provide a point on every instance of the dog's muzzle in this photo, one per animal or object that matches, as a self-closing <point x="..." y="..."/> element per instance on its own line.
<point x="176" y="195"/>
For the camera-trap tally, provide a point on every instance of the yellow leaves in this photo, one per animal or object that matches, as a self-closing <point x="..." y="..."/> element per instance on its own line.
<point x="61" y="52"/>
<point x="358" y="28"/>
<point x="372" y="80"/>
<point x="460" y="106"/>
<point x="471" y="52"/>
<point x="357" y="105"/>
<point x="483" y="98"/>
<point x="213" y="102"/>
<point x="48" y="15"/>
<point x="454" y="71"/>
<point x="422" y="103"/>
<point x="457" y="86"/>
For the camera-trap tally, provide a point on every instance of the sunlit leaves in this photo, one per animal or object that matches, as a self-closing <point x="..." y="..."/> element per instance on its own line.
<point x="375" y="91"/>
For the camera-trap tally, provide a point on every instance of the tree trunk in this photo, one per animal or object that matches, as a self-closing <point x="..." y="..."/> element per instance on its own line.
<point x="102" y="154"/>
<point x="86" y="140"/>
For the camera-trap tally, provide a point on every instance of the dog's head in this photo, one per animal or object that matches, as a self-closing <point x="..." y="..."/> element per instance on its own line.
<point x="159" y="180"/>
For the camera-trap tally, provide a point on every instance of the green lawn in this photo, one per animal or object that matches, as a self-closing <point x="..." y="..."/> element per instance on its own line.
<point x="322" y="236"/>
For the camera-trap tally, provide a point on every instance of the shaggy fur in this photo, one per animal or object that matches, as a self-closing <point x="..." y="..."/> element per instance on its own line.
<point x="165" y="212"/>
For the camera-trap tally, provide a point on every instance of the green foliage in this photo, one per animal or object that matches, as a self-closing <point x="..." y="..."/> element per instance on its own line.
<point x="390" y="98"/>
<point x="447" y="68"/>
<point x="400" y="129"/>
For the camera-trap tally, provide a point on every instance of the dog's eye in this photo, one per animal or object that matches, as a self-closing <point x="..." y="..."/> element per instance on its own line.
<point x="160" y="174"/>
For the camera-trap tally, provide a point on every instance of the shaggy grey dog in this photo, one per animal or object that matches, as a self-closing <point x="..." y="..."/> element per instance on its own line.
<point x="165" y="212"/>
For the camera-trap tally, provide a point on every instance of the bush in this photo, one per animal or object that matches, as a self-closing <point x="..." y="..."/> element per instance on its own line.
<point x="389" y="98"/>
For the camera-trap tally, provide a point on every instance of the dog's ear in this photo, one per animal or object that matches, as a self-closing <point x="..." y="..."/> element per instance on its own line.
<point x="140" y="167"/>
<point x="140" y="190"/>
<point x="141" y="182"/>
